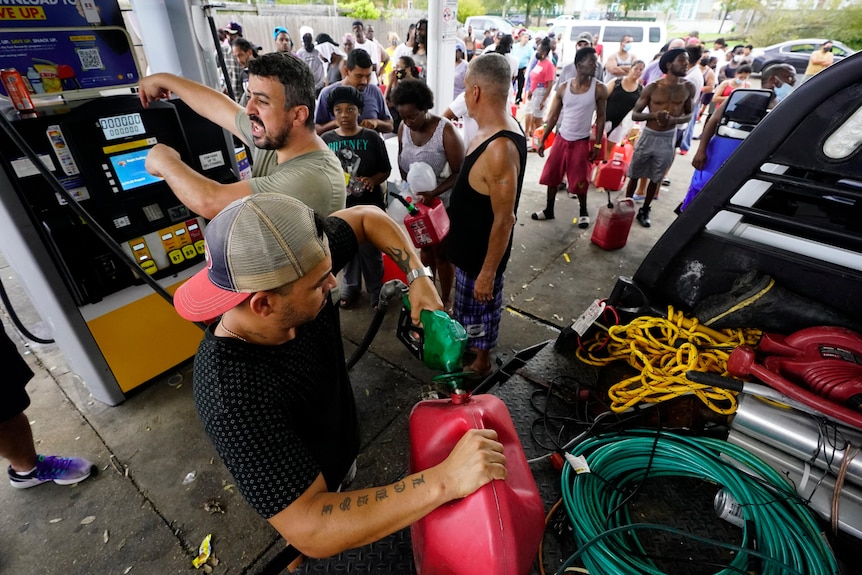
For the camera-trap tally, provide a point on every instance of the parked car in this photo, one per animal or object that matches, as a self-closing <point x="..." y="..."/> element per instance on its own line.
<point x="485" y="22"/>
<point x="794" y="52"/>
<point x="559" y="19"/>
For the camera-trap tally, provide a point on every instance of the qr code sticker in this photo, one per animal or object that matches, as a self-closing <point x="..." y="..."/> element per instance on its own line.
<point x="90" y="59"/>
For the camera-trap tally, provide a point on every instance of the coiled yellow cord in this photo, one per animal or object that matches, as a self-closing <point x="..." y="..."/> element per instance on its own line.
<point x="663" y="350"/>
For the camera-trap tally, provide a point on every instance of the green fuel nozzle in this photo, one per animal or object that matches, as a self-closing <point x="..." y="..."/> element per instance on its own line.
<point x="439" y="342"/>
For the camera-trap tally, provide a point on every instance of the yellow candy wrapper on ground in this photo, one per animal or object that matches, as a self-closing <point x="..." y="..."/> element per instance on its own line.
<point x="203" y="552"/>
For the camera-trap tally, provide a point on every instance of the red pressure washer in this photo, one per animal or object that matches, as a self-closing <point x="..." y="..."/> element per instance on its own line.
<point x="818" y="366"/>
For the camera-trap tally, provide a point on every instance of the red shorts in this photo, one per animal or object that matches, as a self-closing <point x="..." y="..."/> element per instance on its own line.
<point x="571" y="159"/>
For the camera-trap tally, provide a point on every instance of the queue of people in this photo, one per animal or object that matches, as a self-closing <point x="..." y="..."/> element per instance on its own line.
<point x="270" y="383"/>
<point x="283" y="419"/>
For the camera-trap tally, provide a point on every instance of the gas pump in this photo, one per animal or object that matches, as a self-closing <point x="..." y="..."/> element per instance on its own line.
<point x="115" y="331"/>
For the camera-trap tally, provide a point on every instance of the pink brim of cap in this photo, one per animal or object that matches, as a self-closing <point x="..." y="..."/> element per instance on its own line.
<point x="199" y="300"/>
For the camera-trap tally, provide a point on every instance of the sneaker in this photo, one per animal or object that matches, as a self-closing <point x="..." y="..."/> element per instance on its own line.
<point x="665" y="182"/>
<point x="643" y="217"/>
<point x="638" y="198"/>
<point x="683" y="152"/>
<point x="60" y="470"/>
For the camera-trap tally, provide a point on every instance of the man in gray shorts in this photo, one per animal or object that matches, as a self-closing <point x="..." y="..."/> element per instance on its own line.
<point x="669" y="102"/>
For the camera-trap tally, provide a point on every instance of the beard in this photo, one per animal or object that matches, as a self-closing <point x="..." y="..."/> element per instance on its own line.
<point x="268" y="141"/>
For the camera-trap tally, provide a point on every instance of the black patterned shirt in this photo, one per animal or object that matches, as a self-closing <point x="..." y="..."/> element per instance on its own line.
<point x="280" y="415"/>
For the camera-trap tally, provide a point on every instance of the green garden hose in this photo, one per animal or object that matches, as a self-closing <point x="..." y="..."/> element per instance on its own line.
<point x="780" y="533"/>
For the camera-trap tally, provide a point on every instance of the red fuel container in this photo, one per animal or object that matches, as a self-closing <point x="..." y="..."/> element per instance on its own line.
<point x="537" y="137"/>
<point x="391" y="271"/>
<point x="430" y="225"/>
<point x="498" y="528"/>
<point x="626" y="150"/>
<point x="611" y="175"/>
<point x="613" y="224"/>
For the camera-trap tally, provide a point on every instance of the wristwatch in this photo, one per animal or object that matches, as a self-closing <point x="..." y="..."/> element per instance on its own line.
<point x="423" y="272"/>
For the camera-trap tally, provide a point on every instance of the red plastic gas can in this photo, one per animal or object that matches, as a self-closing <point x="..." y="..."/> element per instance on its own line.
<point x="537" y="137"/>
<point x="391" y="271"/>
<point x="430" y="225"/>
<point x="626" y="151"/>
<point x="613" y="224"/>
<point x="611" y="175"/>
<point x="498" y="528"/>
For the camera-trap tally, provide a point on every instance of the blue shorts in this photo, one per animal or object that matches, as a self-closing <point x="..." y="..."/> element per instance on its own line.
<point x="480" y="319"/>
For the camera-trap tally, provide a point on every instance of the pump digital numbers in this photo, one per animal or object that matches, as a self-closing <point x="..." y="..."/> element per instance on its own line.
<point x="117" y="127"/>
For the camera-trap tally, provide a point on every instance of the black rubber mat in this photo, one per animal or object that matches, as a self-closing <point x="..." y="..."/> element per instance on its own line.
<point x="683" y="503"/>
<point x="391" y="555"/>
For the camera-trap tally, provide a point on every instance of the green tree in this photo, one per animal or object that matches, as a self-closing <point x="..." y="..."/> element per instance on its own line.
<point x="844" y="25"/>
<point x="361" y="10"/>
<point x="728" y="6"/>
<point x="638" y="6"/>
<point x="467" y="8"/>
<point x="530" y="7"/>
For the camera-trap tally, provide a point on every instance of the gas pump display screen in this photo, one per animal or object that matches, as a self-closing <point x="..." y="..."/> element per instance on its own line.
<point x="131" y="171"/>
<point x="121" y="126"/>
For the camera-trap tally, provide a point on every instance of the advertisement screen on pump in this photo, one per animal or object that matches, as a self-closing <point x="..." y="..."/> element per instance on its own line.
<point x="60" y="14"/>
<point x="66" y="46"/>
<point x="54" y="61"/>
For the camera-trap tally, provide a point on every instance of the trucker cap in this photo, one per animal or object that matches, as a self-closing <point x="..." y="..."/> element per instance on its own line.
<point x="585" y="37"/>
<point x="257" y="243"/>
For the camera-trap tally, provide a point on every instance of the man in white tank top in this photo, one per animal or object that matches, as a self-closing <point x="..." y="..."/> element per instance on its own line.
<point x="572" y="154"/>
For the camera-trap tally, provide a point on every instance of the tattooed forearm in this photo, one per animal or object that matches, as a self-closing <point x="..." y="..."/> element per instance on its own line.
<point x="400" y="257"/>
<point x="379" y="494"/>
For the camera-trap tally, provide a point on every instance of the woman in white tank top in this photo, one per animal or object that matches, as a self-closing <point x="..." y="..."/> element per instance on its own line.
<point x="426" y="137"/>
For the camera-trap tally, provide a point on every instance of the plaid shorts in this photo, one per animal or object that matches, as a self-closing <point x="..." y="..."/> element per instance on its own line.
<point x="481" y="320"/>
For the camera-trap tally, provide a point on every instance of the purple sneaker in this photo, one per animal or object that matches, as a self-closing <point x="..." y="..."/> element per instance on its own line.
<point x="60" y="470"/>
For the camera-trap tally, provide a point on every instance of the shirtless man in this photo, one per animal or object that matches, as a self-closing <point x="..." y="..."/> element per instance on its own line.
<point x="669" y="100"/>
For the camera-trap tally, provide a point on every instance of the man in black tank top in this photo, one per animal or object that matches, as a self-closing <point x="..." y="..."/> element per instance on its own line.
<point x="483" y="206"/>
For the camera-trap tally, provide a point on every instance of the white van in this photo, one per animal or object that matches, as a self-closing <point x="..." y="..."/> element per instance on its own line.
<point x="647" y="37"/>
<point x="482" y="23"/>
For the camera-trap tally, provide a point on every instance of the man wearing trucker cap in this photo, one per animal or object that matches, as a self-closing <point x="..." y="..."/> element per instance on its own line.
<point x="270" y="382"/>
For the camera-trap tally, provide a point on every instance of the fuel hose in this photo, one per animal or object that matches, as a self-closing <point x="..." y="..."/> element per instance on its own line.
<point x="780" y="534"/>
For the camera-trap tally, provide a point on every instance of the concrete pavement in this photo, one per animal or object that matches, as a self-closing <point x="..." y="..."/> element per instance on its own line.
<point x="147" y="520"/>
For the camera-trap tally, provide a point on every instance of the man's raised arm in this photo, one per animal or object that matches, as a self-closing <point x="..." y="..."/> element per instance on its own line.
<point x="211" y="104"/>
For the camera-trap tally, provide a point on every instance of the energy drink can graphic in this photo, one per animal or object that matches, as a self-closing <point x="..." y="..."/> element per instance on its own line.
<point x="17" y="90"/>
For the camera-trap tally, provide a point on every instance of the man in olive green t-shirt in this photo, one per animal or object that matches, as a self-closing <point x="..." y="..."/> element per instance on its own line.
<point x="277" y="124"/>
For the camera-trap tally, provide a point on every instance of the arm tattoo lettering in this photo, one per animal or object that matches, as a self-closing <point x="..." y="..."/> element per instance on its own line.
<point x="345" y="505"/>
<point x="327" y="510"/>
<point x="400" y="257"/>
<point x="417" y="481"/>
<point x="399" y="487"/>
<point x="381" y="494"/>
<point x="361" y="500"/>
